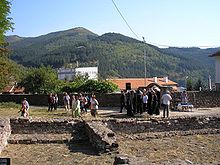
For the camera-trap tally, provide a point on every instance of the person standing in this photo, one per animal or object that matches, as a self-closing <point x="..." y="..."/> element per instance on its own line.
<point x="145" y="98"/>
<point x="55" y="98"/>
<point x="66" y="101"/>
<point x="166" y="98"/>
<point x="122" y="101"/>
<point x="24" y="108"/>
<point x="129" y="104"/>
<point x="94" y="106"/>
<point x="50" y="102"/>
<point x="149" y="102"/>
<point x="155" y="108"/>
<point x="76" y="106"/>
<point x="184" y="97"/>
<point x="139" y="101"/>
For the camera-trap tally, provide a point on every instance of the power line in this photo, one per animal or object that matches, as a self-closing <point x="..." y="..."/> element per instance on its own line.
<point x="124" y="19"/>
<point x="153" y="43"/>
<point x="199" y="46"/>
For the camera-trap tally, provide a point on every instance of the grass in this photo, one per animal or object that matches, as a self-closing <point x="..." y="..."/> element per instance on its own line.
<point x="9" y="105"/>
<point x="12" y="110"/>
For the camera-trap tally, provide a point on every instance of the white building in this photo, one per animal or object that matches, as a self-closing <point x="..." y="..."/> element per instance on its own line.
<point x="69" y="73"/>
<point x="66" y="73"/>
<point x="92" y="72"/>
<point x="217" y="69"/>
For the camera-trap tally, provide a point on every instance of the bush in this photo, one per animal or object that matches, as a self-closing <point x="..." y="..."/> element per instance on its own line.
<point x="90" y="86"/>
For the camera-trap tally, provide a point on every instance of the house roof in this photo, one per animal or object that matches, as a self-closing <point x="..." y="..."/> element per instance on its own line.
<point x="215" y="54"/>
<point x="140" y="82"/>
<point x="13" y="89"/>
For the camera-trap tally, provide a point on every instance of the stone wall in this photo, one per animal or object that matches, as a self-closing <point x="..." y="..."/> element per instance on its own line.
<point x="198" y="99"/>
<point x="25" y="131"/>
<point x="56" y="126"/>
<point x="205" y="99"/>
<point x="101" y="134"/>
<point x="101" y="137"/>
<point x="5" y="131"/>
<point x="163" y="125"/>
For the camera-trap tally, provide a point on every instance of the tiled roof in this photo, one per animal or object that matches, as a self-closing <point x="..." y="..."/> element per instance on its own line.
<point x="13" y="89"/>
<point x="140" y="82"/>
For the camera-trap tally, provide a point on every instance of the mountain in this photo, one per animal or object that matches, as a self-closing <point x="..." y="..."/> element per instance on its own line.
<point x="117" y="55"/>
<point x="13" y="38"/>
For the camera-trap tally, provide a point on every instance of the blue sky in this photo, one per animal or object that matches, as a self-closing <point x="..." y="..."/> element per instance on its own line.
<point x="182" y="23"/>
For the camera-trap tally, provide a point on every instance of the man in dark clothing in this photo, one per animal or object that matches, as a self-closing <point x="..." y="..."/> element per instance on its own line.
<point x="122" y="101"/>
<point x="129" y="104"/>
<point x="50" y="102"/>
<point x="149" y="102"/>
<point x="139" y="102"/>
<point x="158" y="101"/>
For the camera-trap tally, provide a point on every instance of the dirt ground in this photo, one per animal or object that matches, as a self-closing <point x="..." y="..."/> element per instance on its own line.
<point x="196" y="149"/>
<point x="193" y="149"/>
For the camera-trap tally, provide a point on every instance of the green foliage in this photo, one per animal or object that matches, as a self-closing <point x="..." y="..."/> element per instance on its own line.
<point x="5" y="21"/>
<point x="8" y="68"/>
<point x="40" y="80"/>
<point x="90" y="86"/>
<point x="10" y="72"/>
<point x="189" y="84"/>
<point x="199" y="85"/>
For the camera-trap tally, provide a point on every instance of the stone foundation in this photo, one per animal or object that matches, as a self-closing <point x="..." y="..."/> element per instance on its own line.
<point x="5" y="131"/>
<point x="101" y="137"/>
<point x="102" y="134"/>
<point x="132" y="126"/>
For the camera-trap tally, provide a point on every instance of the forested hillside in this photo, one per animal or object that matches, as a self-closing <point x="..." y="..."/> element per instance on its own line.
<point x="116" y="55"/>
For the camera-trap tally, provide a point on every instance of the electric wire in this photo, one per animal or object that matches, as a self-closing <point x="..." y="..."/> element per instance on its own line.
<point x="153" y="43"/>
<point x="124" y="19"/>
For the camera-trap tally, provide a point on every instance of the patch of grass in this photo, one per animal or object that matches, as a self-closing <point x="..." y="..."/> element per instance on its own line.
<point x="9" y="105"/>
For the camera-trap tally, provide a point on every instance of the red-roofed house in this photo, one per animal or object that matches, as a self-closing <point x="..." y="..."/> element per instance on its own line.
<point x="217" y="69"/>
<point x="140" y="82"/>
<point x="13" y="90"/>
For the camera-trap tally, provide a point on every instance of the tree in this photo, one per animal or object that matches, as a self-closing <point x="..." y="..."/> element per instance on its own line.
<point x="5" y="22"/>
<point x="40" y="80"/>
<point x="198" y="85"/>
<point x="189" y="85"/>
<point x="6" y="66"/>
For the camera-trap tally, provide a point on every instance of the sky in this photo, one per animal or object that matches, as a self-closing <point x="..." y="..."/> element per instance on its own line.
<point x="182" y="23"/>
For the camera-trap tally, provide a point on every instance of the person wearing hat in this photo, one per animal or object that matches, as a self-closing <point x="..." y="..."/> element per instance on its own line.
<point x="166" y="98"/>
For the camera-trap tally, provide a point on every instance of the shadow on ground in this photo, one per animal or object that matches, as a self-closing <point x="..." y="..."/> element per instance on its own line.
<point x="82" y="147"/>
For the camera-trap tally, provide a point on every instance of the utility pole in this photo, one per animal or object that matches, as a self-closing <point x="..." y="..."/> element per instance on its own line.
<point x="210" y="83"/>
<point x="145" y="67"/>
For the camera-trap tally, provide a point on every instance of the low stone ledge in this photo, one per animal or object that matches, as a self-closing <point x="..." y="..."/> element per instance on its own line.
<point x="164" y="125"/>
<point x="39" y="138"/>
<point x="32" y="126"/>
<point x="5" y="131"/>
<point x="157" y="135"/>
<point x="100" y="136"/>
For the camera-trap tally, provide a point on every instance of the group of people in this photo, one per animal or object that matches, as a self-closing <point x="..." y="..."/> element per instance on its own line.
<point x="77" y="103"/>
<point x="52" y="102"/>
<point x="140" y="101"/>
